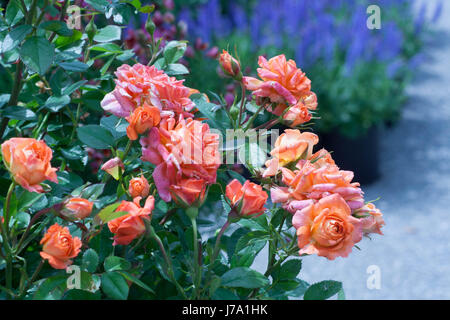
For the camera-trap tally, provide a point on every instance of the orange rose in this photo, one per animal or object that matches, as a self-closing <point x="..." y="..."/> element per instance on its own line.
<point x="282" y="82"/>
<point x="289" y="147"/>
<point x="28" y="160"/>
<point x="230" y="65"/>
<point x="296" y="115"/>
<point x="142" y="119"/>
<point x="327" y="228"/>
<point x="58" y="247"/>
<point x="248" y="199"/>
<point x="315" y="181"/>
<point x="130" y="226"/>
<point x="189" y="192"/>
<point x="139" y="187"/>
<point x="77" y="208"/>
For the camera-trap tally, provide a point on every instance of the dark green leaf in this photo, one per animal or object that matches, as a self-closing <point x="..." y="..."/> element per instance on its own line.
<point x="58" y="27"/>
<point x="78" y="294"/>
<point x="16" y="36"/>
<point x="75" y="66"/>
<point x="108" y="34"/>
<point x="95" y="136"/>
<point x="173" y="51"/>
<point x="113" y="263"/>
<point x="244" y="278"/>
<point x="37" y="53"/>
<point x="13" y="12"/>
<point x="115" y="286"/>
<point x="19" y="113"/>
<point x="175" y="69"/>
<point x="55" y="103"/>
<point x="90" y="260"/>
<point x="323" y="290"/>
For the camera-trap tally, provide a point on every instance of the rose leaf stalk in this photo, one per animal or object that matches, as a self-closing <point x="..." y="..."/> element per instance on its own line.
<point x="192" y="213"/>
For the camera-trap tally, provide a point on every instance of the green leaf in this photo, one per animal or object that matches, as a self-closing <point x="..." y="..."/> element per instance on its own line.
<point x="115" y="286"/>
<point x="90" y="260"/>
<point x="95" y="136"/>
<point x="75" y="66"/>
<point x="13" y="12"/>
<point x="78" y="294"/>
<point x="108" y="34"/>
<point x="58" y="27"/>
<point x="62" y="41"/>
<point x="16" y="36"/>
<point x="113" y="263"/>
<point x="217" y="117"/>
<point x="37" y="54"/>
<point x="51" y="288"/>
<point x="136" y="281"/>
<point x="99" y="5"/>
<point x="323" y="290"/>
<point x="73" y="87"/>
<point x="108" y="213"/>
<point x="174" y="50"/>
<point x="175" y="69"/>
<point x="18" y="113"/>
<point x="243" y="277"/>
<point x="55" y="103"/>
<point x="92" y="192"/>
<point x="290" y="269"/>
<point x="224" y="294"/>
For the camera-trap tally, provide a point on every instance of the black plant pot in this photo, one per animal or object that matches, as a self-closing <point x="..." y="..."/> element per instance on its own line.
<point x="360" y="155"/>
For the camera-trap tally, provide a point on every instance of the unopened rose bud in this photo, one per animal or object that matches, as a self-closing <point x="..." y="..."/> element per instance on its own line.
<point x="91" y="30"/>
<point x="112" y="167"/>
<point x="150" y="25"/>
<point x="230" y="66"/>
<point x="139" y="187"/>
<point x="77" y="209"/>
<point x="189" y="192"/>
<point x="247" y="201"/>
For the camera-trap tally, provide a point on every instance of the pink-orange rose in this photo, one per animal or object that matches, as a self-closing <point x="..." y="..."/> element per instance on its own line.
<point x="28" y="160"/>
<point x="142" y="119"/>
<point x="130" y="226"/>
<point x="185" y="150"/>
<point x="248" y="200"/>
<point x="139" y="187"/>
<point x="282" y="82"/>
<point x="327" y="228"/>
<point x="290" y="147"/>
<point x="372" y="219"/>
<point x="77" y="208"/>
<point x="311" y="181"/>
<point x="189" y="192"/>
<point x="140" y="83"/>
<point x="58" y="247"/>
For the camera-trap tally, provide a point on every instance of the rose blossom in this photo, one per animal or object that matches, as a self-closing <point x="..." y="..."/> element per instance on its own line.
<point x="28" y="160"/>
<point x="289" y="147"/>
<point x="327" y="228"/>
<point x="372" y="220"/>
<point x="281" y="81"/>
<point x="130" y="226"/>
<point x="248" y="199"/>
<point x="139" y="83"/>
<point x="185" y="150"/>
<point x="230" y="65"/>
<point x="58" y="246"/>
<point x="313" y="181"/>
<point x="142" y="119"/>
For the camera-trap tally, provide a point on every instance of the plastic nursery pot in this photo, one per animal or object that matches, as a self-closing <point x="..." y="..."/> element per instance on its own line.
<point x="360" y="155"/>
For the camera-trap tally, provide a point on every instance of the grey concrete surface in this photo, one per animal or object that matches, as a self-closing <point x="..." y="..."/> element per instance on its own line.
<point x="413" y="256"/>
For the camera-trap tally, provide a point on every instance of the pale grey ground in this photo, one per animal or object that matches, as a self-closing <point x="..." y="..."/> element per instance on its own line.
<point x="414" y="254"/>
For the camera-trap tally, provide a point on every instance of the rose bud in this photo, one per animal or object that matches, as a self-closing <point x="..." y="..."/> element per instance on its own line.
<point x="189" y="192"/>
<point x="247" y="200"/>
<point x="130" y="226"/>
<point x="77" y="209"/>
<point x="58" y="247"/>
<point x="142" y="119"/>
<point x="139" y="187"/>
<point x="28" y="160"/>
<point x="230" y="65"/>
<point x="112" y="167"/>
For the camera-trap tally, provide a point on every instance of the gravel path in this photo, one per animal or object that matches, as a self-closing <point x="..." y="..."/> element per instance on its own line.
<point x="414" y="254"/>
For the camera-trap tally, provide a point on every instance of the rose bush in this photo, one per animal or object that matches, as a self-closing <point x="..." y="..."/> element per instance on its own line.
<point x="117" y="170"/>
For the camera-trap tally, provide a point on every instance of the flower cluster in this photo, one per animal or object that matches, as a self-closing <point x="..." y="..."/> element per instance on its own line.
<point x="284" y="88"/>
<point x="328" y="209"/>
